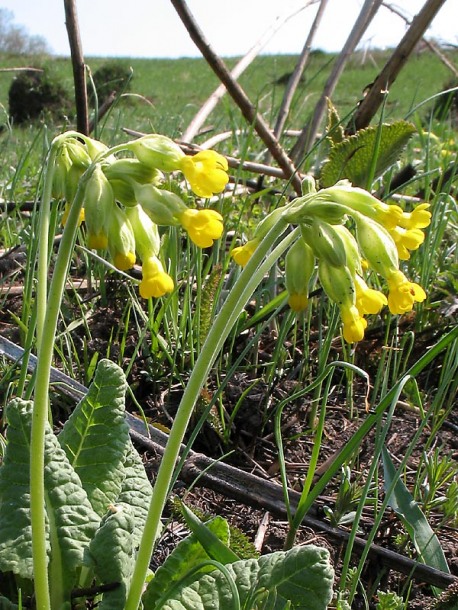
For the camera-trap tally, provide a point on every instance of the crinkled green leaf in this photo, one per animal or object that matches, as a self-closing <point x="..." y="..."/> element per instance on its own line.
<point x="401" y="501"/>
<point x="188" y="554"/>
<point x="111" y="553"/>
<point x="302" y="578"/>
<point x="15" y="527"/>
<point x="95" y="437"/>
<point x="135" y="490"/>
<point x="71" y="521"/>
<point x="353" y="157"/>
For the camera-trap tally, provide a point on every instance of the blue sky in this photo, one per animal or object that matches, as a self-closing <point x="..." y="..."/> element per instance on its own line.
<point x="151" y="28"/>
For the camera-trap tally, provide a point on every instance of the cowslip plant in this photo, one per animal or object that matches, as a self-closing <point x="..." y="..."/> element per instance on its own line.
<point x="86" y="532"/>
<point x="84" y="519"/>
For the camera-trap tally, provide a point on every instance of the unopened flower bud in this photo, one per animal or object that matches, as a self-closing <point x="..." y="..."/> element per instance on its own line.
<point x="338" y="283"/>
<point x="98" y="205"/>
<point x="121" y="240"/>
<point x="376" y="244"/>
<point x="157" y="151"/>
<point x="325" y="241"/>
<point x="164" y="207"/>
<point x="131" y="169"/>
<point x="147" y="240"/>
<point x="299" y="266"/>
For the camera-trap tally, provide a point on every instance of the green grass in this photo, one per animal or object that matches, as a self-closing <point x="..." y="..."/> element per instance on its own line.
<point x="177" y="88"/>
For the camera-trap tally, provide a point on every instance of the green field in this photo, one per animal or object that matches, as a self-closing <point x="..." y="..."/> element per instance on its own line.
<point x="173" y="90"/>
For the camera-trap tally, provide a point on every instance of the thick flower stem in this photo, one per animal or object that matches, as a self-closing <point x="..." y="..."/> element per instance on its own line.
<point x="248" y="281"/>
<point x="48" y="311"/>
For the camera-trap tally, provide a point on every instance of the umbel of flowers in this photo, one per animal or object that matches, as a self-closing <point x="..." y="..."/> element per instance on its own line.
<point x="380" y="235"/>
<point x="124" y="199"/>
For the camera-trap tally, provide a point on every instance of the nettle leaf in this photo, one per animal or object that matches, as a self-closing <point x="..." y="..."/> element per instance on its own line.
<point x="136" y="490"/>
<point x="301" y="578"/>
<point x="335" y="131"/>
<point x="71" y="521"/>
<point x="112" y="553"/>
<point x="353" y="157"/>
<point x="96" y="435"/>
<point x="188" y="554"/>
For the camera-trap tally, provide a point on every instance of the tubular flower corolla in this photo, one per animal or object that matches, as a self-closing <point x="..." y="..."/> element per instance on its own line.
<point x="155" y="281"/>
<point x="403" y="293"/>
<point x="206" y="172"/>
<point x="202" y="226"/>
<point x="242" y="254"/>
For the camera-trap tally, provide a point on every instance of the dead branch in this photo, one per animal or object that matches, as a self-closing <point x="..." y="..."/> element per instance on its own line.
<point x="238" y="484"/>
<point x="249" y="166"/>
<point x="432" y="46"/>
<point x="295" y="78"/>
<point x="308" y="135"/>
<point x="198" y="120"/>
<point x="238" y="94"/>
<point x="377" y="91"/>
<point x="79" y="68"/>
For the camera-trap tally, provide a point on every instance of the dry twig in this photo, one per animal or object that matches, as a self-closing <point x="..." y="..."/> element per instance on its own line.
<point x="79" y="68"/>
<point x="238" y="94"/>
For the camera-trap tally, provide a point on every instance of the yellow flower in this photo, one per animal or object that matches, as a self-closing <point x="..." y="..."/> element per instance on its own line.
<point x="205" y="172"/>
<point x="67" y="212"/>
<point x="298" y="301"/>
<point x="97" y="241"/>
<point x="403" y="293"/>
<point x="242" y="254"/>
<point x="368" y="300"/>
<point x="155" y="282"/>
<point x="202" y="226"/>
<point x="419" y="218"/>
<point x="354" y="324"/>
<point x="123" y="262"/>
<point x="406" y="239"/>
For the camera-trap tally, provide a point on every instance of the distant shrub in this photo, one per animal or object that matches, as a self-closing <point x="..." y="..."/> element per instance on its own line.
<point x="35" y="94"/>
<point x="109" y="78"/>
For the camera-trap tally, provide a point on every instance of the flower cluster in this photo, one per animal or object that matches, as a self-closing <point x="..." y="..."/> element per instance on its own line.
<point x="124" y="202"/>
<point x="383" y="235"/>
